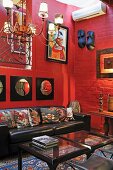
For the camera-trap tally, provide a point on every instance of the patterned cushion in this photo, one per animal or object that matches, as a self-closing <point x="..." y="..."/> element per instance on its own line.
<point x="75" y="106"/>
<point x="62" y="114"/>
<point x="21" y="118"/>
<point x="65" y="114"/>
<point x="70" y="113"/>
<point x="34" y="117"/>
<point x="49" y="115"/>
<point x="7" y="118"/>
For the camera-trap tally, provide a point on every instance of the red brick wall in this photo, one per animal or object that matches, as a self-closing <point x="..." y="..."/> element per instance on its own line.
<point x="87" y="86"/>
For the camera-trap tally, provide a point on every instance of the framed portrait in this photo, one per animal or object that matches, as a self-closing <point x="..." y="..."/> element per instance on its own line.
<point x="104" y="59"/>
<point x="17" y="19"/>
<point x="57" y="45"/>
<point x="2" y="87"/>
<point x="44" y="88"/>
<point x="20" y="88"/>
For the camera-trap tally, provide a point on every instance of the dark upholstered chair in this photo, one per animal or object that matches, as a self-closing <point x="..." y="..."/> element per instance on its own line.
<point x="94" y="162"/>
<point x="107" y="151"/>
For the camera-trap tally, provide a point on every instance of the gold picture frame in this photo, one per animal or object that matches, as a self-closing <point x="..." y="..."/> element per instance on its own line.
<point x="104" y="59"/>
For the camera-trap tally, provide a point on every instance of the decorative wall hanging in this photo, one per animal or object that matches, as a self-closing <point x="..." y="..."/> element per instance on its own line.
<point x="81" y="38"/>
<point x="20" y="88"/>
<point x="18" y="19"/>
<point x="57" y="46"/>
<point x="104" y="63"/>
<point x="90" y="44"/>
<point x="2" y="88"/>
<point x="44" y="88"/>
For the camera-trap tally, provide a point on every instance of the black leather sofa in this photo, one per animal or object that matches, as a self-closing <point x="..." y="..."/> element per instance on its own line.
<point x="10" y="138"/>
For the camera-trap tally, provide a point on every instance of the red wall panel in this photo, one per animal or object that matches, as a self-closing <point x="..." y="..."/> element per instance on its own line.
<point x="63" y="74"/>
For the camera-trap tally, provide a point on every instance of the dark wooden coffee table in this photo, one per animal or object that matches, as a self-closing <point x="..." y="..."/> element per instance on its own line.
<point x="91" y="140"/>
<point x="65" y="150"/>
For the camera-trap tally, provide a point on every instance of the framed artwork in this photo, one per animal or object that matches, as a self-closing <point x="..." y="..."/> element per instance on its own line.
<point x="104" y="59"/>
<point x="20" y="88"/>
<point x="2" y="87"/>
<point x="44" y="88"/>
<point x="57" y="46"/>
<point x="17" y="19"/>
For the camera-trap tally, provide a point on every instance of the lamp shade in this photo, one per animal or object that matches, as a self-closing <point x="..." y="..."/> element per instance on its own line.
<point x="51" y="29"/>
<point x="43" y="10"/>
<point x="8" y="3"/>
<point x="58" y="19"/>
<point x="7" y="27"/>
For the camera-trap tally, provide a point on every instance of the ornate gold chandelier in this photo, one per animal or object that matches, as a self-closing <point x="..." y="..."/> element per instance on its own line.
<point x="21" y="33"/>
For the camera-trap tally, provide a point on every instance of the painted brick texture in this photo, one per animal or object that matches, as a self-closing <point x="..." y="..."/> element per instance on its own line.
<point x="87" y="85"/>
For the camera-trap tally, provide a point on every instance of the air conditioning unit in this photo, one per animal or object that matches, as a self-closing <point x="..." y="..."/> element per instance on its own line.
<point x="89" y="12"/>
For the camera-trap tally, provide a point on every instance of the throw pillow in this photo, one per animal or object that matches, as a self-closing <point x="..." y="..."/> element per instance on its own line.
<point x="3" y="119"/>
<point x="21" y="118"/>
<point x="70" y="113"/>
<point x="62" y="114"/>
<point x="75" y="106"/>
<point x="49" y="115"/>
<point x="7" y="118"/>
<point x="34" y="117"/>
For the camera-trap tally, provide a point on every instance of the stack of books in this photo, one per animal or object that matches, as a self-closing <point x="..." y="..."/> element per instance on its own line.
<point x="44" y="142"/>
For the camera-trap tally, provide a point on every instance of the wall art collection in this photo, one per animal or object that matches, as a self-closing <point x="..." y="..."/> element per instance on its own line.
<point x="21" y="88"/>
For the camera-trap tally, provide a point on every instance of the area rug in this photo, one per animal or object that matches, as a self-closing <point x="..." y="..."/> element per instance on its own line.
<point x="29" y="163"/>
<point x="32" y="163"/>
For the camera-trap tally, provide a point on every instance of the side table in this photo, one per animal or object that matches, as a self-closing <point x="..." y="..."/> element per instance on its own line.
<point x="107" y="115"/>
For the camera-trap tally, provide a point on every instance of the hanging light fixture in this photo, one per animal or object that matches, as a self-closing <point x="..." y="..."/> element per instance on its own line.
<point x="23" y="33"/>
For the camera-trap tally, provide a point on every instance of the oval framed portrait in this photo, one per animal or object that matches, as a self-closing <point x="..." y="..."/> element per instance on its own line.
<point x="44" y="88"/>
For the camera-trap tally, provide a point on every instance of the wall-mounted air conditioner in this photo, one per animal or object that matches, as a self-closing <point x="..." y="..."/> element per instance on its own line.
<point x="89" y="12"/>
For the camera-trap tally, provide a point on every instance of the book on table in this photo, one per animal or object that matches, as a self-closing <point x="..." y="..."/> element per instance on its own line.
<point x="45" y="141"/>
<point x="38" y="145"/>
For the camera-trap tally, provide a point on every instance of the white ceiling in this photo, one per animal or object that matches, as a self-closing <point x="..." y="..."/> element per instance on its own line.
<point x="79" y="3"/>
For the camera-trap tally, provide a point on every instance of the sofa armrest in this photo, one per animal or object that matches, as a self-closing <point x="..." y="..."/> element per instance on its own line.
<point x="4" y="132"/>
<point x="84" y="117"/>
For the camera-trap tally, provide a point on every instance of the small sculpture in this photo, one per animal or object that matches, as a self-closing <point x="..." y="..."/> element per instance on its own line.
<point x="110" y="103"/>
<point x="100" y="102"/>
